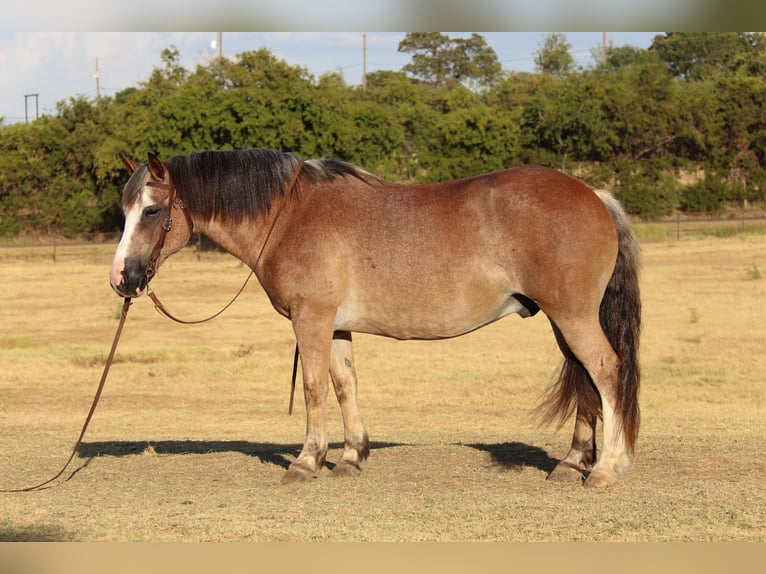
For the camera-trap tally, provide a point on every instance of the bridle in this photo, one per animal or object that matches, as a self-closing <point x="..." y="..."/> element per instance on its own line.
<point x="173" y="202"/>
<point x="166" y="227"/>
<point x="154" y="259"/>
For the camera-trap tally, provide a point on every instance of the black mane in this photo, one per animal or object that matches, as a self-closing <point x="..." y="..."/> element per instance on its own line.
<point x="235" y="185"/>
<point x="231" y="185"/>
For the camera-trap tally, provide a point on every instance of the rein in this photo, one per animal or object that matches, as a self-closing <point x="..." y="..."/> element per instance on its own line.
<point x="110" y="359"/>
<point x="151" y="270"/>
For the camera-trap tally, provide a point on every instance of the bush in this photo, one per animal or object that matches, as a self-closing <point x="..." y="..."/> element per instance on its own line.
<point x="647" y="191"/>
<point x="706" y="195"/>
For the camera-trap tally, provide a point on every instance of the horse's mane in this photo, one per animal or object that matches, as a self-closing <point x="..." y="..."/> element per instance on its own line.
<point x="234" y="185"/>
<point x="230" y="185"/>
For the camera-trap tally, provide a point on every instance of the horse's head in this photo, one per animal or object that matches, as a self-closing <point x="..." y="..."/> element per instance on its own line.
<point x="154" y="227"/>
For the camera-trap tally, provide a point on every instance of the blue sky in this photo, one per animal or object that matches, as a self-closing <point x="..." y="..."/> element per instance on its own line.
<point x="59" y="65"/>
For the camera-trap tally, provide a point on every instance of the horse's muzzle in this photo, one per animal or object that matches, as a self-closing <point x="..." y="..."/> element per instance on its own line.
<point x="134" y="279"/>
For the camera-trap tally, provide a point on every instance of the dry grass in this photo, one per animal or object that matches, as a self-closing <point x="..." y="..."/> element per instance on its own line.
<point x="192" y="435"/>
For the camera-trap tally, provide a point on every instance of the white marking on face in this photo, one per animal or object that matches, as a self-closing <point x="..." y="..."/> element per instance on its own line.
<point x="132" y="219"/>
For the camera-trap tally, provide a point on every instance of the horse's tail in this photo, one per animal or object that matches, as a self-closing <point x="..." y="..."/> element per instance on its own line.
<point x="620" y="318"/>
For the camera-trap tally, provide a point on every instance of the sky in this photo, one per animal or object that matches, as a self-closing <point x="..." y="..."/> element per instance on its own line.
<point x="52" y="48"/>
<point x="60" y="65"/>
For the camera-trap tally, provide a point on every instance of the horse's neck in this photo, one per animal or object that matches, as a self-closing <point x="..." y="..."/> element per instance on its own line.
<point x="245" y="240"/>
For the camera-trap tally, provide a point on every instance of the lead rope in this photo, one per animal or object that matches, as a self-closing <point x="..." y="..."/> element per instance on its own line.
<point x="292" y="384"/>
<point x="163" y="310"/>
<point x="110" y="359"/>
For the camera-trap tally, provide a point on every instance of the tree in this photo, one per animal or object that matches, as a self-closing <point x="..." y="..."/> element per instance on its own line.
<point x="444" y="62"/>
<point x="621" y="57"/>
<point x="641" y="111"/>
<point x="700" y="55"/>
<point x="628" y="123"/>
<point x="51" y="180"/>
<point x="553" y="56"/>
<point x="563" y="122"/>
<point x="646" y="188"/>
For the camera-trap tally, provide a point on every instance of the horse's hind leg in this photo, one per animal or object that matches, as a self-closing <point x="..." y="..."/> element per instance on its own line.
<point x="582" y="453"/>
<point x="589" y="344"/>
<point x="356" y="444"/>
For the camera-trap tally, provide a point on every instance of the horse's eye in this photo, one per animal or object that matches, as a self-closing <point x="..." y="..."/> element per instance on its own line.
<point x="152" y="211"/>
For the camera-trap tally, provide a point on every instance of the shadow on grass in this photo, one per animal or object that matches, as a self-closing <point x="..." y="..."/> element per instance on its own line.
<point x="271" y="453"/>
<point x="516" y="455"/>
<point x="36" y="533"/>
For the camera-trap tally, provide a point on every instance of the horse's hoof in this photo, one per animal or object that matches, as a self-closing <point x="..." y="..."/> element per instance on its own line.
<point x="565" y="473"/>
<point x="598" y="479"/>
<point x="345" y="469"/>
<point x="296" y="474"/>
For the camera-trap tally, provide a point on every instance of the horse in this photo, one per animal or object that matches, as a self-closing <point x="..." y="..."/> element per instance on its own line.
<point x="340" y="251"/>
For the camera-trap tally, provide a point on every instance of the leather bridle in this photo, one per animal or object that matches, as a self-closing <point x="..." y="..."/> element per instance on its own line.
<point x="155" y="255"/>
<point x="173" y="202"/>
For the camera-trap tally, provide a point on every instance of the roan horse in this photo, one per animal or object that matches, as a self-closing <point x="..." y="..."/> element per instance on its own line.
<point x="339" y="250"/>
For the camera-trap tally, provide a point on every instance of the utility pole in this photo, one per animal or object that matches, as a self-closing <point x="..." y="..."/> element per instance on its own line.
<point x="364" y="62"/>
<point x="219" y="43"/>
<point x="97" y="75"/>
<point x="26" y="107"/>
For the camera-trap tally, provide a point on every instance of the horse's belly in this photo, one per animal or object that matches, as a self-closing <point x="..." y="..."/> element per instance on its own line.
<point x="426" y="318"/>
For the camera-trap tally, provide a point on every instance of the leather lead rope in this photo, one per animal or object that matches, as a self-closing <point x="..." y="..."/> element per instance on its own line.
<point x="292" y="385"/>
<point x="110" y="359"/>
<point x="163" y="310"/>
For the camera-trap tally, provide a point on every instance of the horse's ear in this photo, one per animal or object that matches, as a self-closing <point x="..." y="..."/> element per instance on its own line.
<point x="129" y="163"/>
<point x="156" y="167"/>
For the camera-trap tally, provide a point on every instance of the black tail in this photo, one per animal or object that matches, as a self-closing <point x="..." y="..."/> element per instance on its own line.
<point x="620" y="318"/>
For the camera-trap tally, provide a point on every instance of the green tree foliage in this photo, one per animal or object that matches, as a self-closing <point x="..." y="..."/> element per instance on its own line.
<point x="632" y="122"/>
<point x="553" y="55"/>
<point x="702" y="55"/>
<point x="647" y="188"/>
<point x="444" y="62"/>
<point x="52" y="176"/>
<point x="707" y="195"/>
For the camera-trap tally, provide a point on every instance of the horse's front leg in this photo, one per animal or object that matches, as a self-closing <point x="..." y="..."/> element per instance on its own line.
<point x="356" y="446"/>
<point x="314" y="339"/>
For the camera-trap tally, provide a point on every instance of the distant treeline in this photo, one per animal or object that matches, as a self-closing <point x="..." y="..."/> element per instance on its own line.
<point x="680" y="125"/>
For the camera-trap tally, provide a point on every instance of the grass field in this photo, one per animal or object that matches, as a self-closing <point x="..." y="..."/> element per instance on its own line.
<point x="192" y="435"/>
